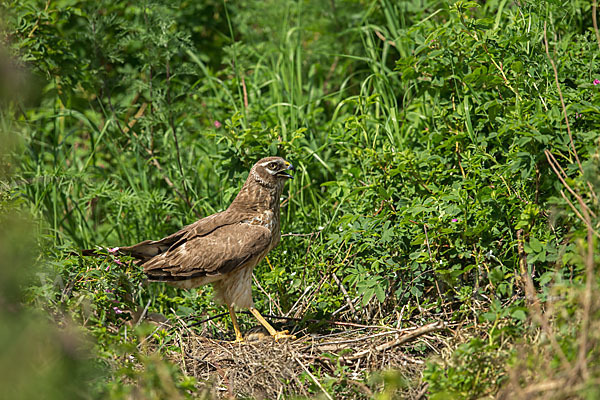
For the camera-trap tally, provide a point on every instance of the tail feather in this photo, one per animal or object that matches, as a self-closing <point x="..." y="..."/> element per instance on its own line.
<point x="143" y="251"/>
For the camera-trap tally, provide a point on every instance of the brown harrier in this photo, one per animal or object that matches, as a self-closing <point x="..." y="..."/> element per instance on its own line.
<point x="224" y="248"/>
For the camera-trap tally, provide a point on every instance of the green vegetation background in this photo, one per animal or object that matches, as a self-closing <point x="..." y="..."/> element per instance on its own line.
<point x="419" y="129"/>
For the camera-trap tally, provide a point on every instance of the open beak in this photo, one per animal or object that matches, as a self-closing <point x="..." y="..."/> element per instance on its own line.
<point x="283" y="173"/>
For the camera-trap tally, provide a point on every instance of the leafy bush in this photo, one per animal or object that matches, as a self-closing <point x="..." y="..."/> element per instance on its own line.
<point x="420" y="130"/>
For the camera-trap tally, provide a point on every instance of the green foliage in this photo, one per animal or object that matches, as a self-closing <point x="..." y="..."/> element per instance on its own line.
<point x="473" y="376"/>
<point x="418" y="129"/>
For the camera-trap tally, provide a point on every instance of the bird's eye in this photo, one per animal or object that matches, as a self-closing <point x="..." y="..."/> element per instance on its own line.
<point x="272" y="166"/>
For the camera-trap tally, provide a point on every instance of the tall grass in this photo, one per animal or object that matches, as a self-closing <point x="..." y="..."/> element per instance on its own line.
<point x="419" y="129"/>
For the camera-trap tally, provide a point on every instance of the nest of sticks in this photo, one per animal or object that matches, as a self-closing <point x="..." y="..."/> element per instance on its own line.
<point x="263" y="368"/>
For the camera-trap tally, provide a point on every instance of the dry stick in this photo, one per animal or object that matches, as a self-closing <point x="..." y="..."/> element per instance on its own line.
<point x="429" y="252"/>
<point x="135" y="118"/>
<point x="153" y="158"/>
<point x="427" y="240"/>
<point x="259" y="286"/>
<point x="587" y="299"/>
<point x="422" y="392"/>
<point x="435" y="326"/>
<point x="534" y="302"/>
<point x="555" y="167"/>
<point x="563" y="177"/>
<point x="545" y="386"/>
<point x="208" y="319"/>
<point x="245" y="92"/>
<point x="172" y="126"/>
<point x="313" y="378"/>
<point x="300" y="298"/>
<point x="589" y="264"/>
<point x="576" y="211"/>
<point x="595" y="22"/>
<point x="283" y="203"/>
<point x="344" y="292"/>
<point x="143" y="314"/>
<point x="383" y="39"/>
<point x="343" y="307"/>
<point x="159" y="167"/>
<point x="360" y="339"/>
<point x="330" y="73"/>
<point x="564" y="109"/>
<point x="298" y="234"/>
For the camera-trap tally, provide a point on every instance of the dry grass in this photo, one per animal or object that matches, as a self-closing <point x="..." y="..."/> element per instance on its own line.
<point x="311" y="365"/>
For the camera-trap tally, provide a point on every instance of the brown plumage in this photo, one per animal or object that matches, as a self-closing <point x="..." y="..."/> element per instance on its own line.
<point x="224" y="248"/>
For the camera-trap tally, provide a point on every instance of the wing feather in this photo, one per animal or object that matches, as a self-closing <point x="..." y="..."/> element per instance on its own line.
<point x="216" y="253"/>
<point x="148" y="249"/>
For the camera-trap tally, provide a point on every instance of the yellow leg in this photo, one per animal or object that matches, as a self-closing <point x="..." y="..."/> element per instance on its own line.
<point x="238" y="334"/>
<point x="276" y="335"/>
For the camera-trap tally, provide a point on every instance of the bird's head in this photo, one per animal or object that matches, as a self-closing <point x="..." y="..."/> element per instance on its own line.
<point x="272" y="170"/>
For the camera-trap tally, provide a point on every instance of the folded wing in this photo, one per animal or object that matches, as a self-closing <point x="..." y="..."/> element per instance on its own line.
<point x="223" y="250"/>
<point x="148" y="249"/>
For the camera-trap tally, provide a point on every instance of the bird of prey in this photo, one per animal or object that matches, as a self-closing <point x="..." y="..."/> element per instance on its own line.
<point x="223" y="248"/>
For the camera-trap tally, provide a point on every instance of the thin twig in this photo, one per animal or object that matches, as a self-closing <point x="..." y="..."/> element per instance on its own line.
<point x="208" y="319"/>
<point x="259" y="286"/>
<point x="344" y="292"/>
<point x="435" y="326"/>
<point x="383" y="39"/>
<point x="423" y="392"/>
<point x="564" y="110"/>
<point x="427" y="241"/>
<point x="245" y="92"/>
<point x="313" y="378"/>
<point x="172" y="126"/>
<point x="135" y="118"/>
<point x="143" y="314"/>
<point x="534" y="303"/>
<point x="359" y="339"/>
<point x="576" y="211"/>
<point x="283" y="203"/>
<point x="544" y="387"/>
<point x="595" y="21"/>
<point x="299" y="234"/>
<point x="561" y="174"/>
<point x="587" y="299"/>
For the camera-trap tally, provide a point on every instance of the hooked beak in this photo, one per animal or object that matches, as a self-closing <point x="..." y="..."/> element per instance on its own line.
<point x="283" y="173"/>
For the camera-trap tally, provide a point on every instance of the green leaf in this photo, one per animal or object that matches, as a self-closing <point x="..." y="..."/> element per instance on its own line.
<point x="380" y="293"/>
<point x="519" y="314"/>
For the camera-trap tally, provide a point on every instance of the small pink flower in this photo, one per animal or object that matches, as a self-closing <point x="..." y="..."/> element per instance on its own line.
<point x="118" y="310"/>
<point x="113" y="250"/>
<point x="217" y="124"/>
<point x="596" y="82"/>
<point x="118" y="261"/>
<point x="107" y="268"/>
<point x="454" y="220"/>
